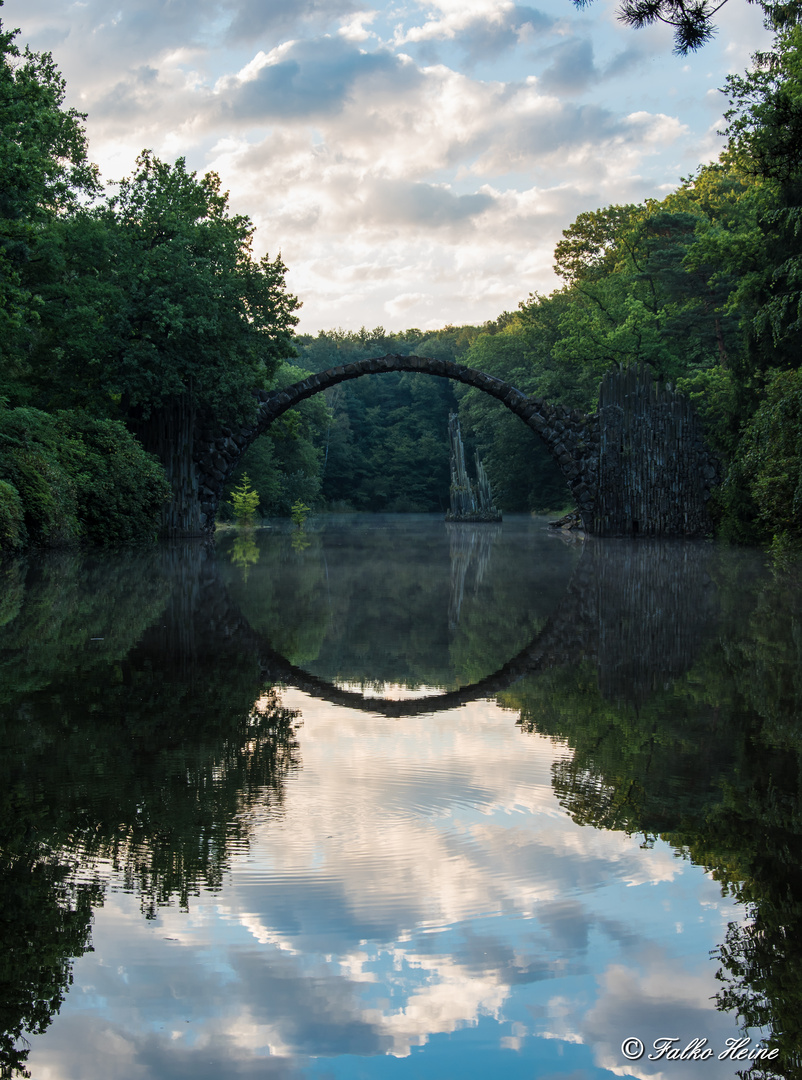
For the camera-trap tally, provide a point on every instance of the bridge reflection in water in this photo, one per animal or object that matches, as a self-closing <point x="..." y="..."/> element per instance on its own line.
<point x="638" y="612"/>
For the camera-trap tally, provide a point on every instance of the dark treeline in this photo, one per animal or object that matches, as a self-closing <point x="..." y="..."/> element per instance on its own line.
<point x="125" y="317"/>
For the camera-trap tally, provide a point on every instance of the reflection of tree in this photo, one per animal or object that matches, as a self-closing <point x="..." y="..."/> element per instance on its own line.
<point x="244" y="552"/>
<point x="712" y="763"/>
<point x="372" y="605"/>
<point x="287" y="601"/>
<point x="45" y="920"/>
<point x="753" y="839"/>
<point x="92" y="610"/>
<point x="142" y="749"/>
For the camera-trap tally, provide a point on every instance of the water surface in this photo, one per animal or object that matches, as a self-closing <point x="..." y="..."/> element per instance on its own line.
<point x="392" y="798"/>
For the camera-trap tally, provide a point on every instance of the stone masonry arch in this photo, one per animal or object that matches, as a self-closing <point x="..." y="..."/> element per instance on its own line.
<point x="571" y="437"/>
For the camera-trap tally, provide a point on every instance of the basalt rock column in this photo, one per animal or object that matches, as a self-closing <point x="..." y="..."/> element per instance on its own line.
<point x="654" y="470"/>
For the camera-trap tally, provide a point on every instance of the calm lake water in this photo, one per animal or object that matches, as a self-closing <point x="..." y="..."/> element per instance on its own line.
<point x="393" y="798"/>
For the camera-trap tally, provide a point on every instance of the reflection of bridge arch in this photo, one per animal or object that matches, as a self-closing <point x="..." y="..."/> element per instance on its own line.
<point x="558" y="642"/>
<point x="570" y="437"/>
<point x="637" y="613"/>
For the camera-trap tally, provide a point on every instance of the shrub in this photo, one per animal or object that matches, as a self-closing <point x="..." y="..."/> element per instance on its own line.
<point x="79" y="477"/>
<point x="29" y="462"/>
<point x="120" y="488"/>
<point x="773" y="457"/>
<point x="12" y="518"/>
<point x="245" y="500"/>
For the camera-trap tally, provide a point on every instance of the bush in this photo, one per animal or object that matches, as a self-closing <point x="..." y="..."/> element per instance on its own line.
<point x="120" y="488"/>
<point x="773" y="456"/>
<point x="78" y="477"/>
<point x="12" y="518"/>
<point x="29" y="462"/>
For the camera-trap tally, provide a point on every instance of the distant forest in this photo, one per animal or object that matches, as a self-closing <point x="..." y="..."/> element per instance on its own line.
<point x="124" y="316"/>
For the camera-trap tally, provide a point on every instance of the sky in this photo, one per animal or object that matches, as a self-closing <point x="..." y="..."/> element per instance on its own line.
<point x="413" y="163"/>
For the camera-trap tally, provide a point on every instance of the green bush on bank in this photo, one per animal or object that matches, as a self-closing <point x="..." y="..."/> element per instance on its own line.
<point x="70" y="476"/>
<point x="120" y="488"/>
<point x="12" y="518"/>
<point x="761" y="497"/>
<point x="29" y="462"/>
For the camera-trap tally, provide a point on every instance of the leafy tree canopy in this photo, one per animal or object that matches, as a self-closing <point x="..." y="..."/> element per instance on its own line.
<point x="44" y="173"/>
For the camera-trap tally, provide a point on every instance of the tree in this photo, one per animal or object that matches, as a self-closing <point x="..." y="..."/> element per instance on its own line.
<point x="765" y="135"/>
<point x="245" y="501"/>
<point x="44" y="172"/>
<point x="157" y="311"/>
<point x="692" y="20"/>
<point x="385" y="443"/>
<point x="771" y="457"/>
<point x="523" y="475"/>
<point x="285" y="463"/>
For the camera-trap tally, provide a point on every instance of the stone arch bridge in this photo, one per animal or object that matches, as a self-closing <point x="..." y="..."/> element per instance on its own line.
<point x="638" y="466"/>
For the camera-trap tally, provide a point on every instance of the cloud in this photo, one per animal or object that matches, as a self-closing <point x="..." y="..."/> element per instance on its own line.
<point x="481" y="27"/>
<point x="253" y="18"/>
<point x="572" y="68"/>
<point x="352" y="147"/>
<point x="422" y="205"/>
<point x="480" y="37"/>
<point x="159" y="27"/>
<point x="307" y="79"/>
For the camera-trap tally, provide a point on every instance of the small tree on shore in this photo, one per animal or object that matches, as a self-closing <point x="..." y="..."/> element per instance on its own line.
<point x="245" y="501"/>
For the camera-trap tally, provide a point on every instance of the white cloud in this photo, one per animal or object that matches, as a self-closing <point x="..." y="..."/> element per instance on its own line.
<point x="352" y="146"/>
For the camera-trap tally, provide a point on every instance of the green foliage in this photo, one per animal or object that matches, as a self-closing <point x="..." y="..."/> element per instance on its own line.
<point x="765" y="129"/>
<point x="245" y="501"/>
<point x="153" y="298"/>
<point x="385" y="441"/>
<point x="299" y="514"/>
<point x="771" y="453"/>
<point x="12" y="518"/>
<point x="29" y="461"/>
<point x="78" y="478"/>
<point x="285" y="463"/>
<point x="523" y="476"/>
<point x="43" y="171"/>
<point x="150" y="307"/>
<point x="120" y="489"/>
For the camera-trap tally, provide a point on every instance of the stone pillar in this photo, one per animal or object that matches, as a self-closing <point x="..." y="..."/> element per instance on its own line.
<point x="654" y="470"/>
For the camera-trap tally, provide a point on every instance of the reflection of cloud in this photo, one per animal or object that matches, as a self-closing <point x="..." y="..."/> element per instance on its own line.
<point x="422" y="879"/>
<point x="664" y="1000"/>
<point x="448" y="997"/>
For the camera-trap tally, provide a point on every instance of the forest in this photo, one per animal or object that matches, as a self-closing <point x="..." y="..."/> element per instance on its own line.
<point x="126" y="315"/>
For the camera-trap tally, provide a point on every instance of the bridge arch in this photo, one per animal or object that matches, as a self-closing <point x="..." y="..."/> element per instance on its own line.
<point x="571" y="437"/>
